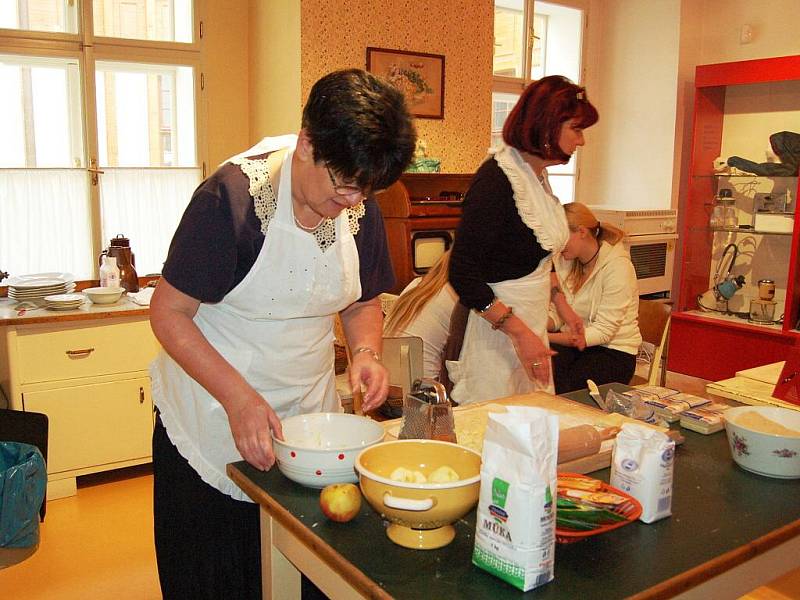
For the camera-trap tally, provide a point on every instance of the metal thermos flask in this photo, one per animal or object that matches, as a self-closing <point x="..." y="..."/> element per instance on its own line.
<point x="120" y="248"/>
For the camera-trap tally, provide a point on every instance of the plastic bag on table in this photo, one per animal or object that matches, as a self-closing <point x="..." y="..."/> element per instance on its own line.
<point x="632" y="404"/>
<point x="23" y="481"/>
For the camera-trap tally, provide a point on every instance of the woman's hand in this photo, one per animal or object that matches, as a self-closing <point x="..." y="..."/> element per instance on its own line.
<point x="250" y="417"/>
<point x="251" y="422"/>
<point x="363" y="328"/>
<point x="365" y="369"/>
<point x="533" y="354"/>
<point x="577" y="329"/>
<point x="567" y="338"/>
<point x="530" y="348"/>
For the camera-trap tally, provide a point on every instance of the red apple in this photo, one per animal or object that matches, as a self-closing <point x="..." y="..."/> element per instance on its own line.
<point x="340" y="501"/>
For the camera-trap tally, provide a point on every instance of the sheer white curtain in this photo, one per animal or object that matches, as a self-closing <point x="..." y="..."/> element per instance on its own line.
<point x="44" y="222"/>
<point x="145" y="205"/>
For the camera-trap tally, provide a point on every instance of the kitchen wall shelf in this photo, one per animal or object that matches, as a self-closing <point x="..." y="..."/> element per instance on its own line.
<point x="737" y="106"/>
<point x="738" y="176"/>
<point x="747" y="231"/>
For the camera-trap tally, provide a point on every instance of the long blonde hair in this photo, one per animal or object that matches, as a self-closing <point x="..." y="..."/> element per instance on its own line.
<point x="579" y="215"/>
<point x="410" y="304"/>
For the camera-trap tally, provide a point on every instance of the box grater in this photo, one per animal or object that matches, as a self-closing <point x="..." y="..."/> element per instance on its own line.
<point x="427" y="413"/>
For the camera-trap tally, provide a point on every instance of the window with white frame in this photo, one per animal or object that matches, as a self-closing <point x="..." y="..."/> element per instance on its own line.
<point x="533" y="39"/>
<point x="100" y="130"/>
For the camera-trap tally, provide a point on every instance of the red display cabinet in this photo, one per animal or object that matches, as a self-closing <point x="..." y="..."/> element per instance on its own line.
<point x="737" y="107"/>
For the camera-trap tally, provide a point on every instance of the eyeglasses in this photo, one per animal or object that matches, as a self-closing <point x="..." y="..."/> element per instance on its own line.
<point x="343" y="189"/>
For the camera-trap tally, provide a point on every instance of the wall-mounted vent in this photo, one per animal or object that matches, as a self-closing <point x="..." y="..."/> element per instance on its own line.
<point x="649" y="260"/>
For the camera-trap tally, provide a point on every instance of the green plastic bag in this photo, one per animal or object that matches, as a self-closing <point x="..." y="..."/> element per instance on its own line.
<point x="23" y="481"/>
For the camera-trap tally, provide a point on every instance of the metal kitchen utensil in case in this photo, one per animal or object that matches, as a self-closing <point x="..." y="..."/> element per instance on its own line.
<point x="427" y="413"/>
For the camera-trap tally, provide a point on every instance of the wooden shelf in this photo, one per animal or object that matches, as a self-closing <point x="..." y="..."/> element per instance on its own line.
<point x="747" y="231"/>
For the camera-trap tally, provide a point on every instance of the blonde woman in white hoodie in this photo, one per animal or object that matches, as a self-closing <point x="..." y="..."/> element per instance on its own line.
<point x="599" y="282"/>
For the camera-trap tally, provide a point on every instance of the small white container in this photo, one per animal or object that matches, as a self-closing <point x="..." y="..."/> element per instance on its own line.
<point x="109" y="272"/>
<point x="729" y="218"/>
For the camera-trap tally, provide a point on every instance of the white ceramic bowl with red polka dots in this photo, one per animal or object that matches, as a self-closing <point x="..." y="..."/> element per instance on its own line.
<point x="320" y="448"/>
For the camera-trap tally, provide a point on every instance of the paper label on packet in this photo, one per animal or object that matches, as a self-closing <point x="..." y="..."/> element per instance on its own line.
<point x="642" y="465"/>
<point x="515" y="522"/>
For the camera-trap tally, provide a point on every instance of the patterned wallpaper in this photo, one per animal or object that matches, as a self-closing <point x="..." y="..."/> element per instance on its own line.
<point x="336" y="35"/>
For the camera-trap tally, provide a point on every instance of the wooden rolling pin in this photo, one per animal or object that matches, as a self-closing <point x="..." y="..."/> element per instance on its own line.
<point x="583" y="440"/>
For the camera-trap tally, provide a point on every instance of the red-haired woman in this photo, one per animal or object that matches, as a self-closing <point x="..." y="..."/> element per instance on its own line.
<point x="501" y="261"/>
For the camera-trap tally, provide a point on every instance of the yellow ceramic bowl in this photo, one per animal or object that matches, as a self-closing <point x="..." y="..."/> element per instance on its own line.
<point x="421" y="514"/>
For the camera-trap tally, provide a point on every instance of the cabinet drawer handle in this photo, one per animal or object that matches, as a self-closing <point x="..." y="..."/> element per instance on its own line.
<point x="76" y="353"/>
<point x="141" y="395"/>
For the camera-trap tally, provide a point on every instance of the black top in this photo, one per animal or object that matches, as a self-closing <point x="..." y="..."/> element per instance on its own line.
<point x="492" y="243"/>
<point x="219" y="238"/>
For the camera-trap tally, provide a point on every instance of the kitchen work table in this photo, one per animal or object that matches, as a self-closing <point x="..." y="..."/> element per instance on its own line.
<point x="730" y="532"/>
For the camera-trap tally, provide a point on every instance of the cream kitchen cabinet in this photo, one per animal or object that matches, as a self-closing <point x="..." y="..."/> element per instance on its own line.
<point x="90" y="378"/>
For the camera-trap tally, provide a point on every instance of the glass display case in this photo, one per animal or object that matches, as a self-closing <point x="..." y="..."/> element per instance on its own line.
<point x="739" y="227"/>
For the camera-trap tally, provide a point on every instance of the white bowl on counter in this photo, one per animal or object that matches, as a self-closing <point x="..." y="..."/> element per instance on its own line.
<point x="104" y="295"/>
<point x="320" y="448"/>
<point x="762" y="452"/>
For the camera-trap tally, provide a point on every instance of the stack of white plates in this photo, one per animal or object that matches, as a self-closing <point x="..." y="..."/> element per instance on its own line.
<point x="34" y="288"/>
<point x="64" y="301"/>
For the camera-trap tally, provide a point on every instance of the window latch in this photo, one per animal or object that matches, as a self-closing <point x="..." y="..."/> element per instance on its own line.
<point x="94" y="170"/>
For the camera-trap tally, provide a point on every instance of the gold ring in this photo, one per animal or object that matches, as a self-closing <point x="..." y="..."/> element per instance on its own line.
<point x="536" y="364"/>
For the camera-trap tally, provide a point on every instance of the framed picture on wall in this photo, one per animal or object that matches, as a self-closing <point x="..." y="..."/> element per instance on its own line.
<point x="419" y="76"/>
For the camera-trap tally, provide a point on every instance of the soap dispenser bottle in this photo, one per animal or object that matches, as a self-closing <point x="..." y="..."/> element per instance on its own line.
<point x="109" y="272"/>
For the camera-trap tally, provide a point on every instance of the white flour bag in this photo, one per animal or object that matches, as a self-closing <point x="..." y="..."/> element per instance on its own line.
<point x="516" y="519"/>
<point x="641" y="465"/>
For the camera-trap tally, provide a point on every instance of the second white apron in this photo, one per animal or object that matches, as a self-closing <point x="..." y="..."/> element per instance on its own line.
<point x="488" y="366"/>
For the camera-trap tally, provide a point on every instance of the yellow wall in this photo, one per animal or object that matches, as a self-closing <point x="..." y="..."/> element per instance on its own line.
<point x="225" y="71"/>
<point x="336" y="35"/>
<point x="274" y="59"/>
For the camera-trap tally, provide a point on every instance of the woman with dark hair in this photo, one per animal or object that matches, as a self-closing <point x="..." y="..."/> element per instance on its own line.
<point x="501" y="260"/>
<point x="599" y="281"/>
<point x="272" y="245"/>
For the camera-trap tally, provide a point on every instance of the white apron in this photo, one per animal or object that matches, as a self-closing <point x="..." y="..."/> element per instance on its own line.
<point x="276" y="328"/>
<point x="488" y="366"/>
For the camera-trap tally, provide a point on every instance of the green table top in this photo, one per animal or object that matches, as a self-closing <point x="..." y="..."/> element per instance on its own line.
<point x="716" y="508"/>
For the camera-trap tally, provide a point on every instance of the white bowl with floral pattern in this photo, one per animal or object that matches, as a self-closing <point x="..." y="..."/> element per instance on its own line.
<point x="755" y="449"/>
<point x="320" y="448"/>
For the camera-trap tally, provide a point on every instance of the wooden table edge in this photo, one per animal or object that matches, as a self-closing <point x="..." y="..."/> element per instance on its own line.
<point x="719" y="565"/>
<point x="355" y="577"/>
<point x="53" y="317"/>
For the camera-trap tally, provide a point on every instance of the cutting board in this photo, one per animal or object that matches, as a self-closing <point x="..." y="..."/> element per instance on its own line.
<point x="765" y="373"/>
<point x="570" y="414"/>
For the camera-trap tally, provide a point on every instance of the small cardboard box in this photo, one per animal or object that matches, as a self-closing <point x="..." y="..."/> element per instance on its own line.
<point x="773" y="222"/>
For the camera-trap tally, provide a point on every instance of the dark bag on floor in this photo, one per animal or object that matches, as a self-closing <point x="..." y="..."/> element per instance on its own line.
<point x="23" y="481"/>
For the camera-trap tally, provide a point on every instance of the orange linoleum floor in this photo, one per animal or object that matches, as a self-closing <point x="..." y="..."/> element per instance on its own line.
<point x="98" y="544"/>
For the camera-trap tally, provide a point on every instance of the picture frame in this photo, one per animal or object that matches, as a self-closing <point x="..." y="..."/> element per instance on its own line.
<point x="420" y="76"/>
